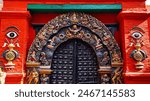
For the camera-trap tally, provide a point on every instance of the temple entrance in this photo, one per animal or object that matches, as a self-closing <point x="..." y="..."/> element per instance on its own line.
<point x="74" y="62"/>
<point x="74" y="48"/>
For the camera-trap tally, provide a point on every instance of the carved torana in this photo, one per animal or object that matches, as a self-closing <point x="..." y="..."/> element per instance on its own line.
<point x="75" y="26"/>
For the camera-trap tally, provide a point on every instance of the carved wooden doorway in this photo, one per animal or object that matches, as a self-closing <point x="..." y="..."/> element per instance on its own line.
<point x="74" y="62"/>
<point x="74" y="33"/>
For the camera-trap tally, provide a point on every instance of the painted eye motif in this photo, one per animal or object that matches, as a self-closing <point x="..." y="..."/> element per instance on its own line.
<point x="136" y="35"/>
<point x="12" y="35"/>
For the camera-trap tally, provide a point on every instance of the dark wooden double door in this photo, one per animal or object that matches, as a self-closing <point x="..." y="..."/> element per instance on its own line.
<point x="74" y="62"/>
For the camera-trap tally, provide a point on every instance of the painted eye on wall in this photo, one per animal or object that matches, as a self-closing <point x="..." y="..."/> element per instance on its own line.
<point x="12" y="35"/>
<point x="136" y="35"/>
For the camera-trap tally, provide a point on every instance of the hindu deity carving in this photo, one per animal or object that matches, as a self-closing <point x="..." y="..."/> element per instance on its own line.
<point x="33" y="77"/>
<point x="117" y="78"/>
<point x="43" y="59"/>
<point x="44" y="79"/>
<point x="105" y="79"/>
<point x="74" y="29"/>
<point x="106" y="58"/>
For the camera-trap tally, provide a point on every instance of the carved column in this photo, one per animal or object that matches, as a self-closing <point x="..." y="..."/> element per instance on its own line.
<point x="117" y="73"/>
<point x="32" y="72"/>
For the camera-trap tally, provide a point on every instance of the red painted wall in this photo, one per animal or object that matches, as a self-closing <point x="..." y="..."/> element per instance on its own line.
<point x="21" y="21"/>
<point x="128" y="20"/>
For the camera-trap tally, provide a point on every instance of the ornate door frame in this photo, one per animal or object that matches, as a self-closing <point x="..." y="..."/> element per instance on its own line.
<point x="50" y="36"/>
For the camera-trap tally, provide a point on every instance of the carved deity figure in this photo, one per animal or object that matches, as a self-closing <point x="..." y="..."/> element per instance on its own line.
<point x="98" y="43"/>
<point x="117" y="76"/>
<point x="52" y="42"/>
<point x="116" y="57"/>
<point x="105" y="59"/>
<point x="75" y="29"/>
<point x="33" y="77"/>
<point x="105" y="79"/>
<point x="2" y="76"/>
<point x="33" y="56"/>
<point x="43" y="59"/>
<point x="44" y="79"/>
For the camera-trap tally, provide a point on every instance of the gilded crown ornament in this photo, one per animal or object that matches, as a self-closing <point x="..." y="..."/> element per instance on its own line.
<point x="74" y="18"/>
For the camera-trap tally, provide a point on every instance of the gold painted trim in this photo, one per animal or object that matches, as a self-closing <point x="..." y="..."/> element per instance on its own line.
<point x="104" y="71"/>
<point x="32" y="64"/>
<point x="117" y="64"/>
<point x="45" y="71"/>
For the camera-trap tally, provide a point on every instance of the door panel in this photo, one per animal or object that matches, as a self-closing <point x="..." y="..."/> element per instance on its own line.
<point x="62" y="64"/>
<point x="74" y="62"/>
<point x="86" y="64"/>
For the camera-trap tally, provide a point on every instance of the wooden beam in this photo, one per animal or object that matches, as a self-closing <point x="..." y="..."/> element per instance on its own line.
<point x="49" y="8"/>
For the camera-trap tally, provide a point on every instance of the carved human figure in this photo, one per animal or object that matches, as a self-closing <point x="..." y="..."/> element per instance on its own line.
<point x="105" y="59"/>
<point x="44" y="79"/>
<point x="37" y="45"/>
<point x="80" y="35"/>
<point x="42" y="36"/>
<point x="68" y="34"/>
<point x="52" y="42"/>
<point x="98" y="43"/>
<point x="43" y="59"/>
<point x="105" y="79"/>
<point x="2" y="76"/>
<point x="33" y="77"/>
<point x="117" y="76"/>
<point x="33" y="56"/>
<point x="74" y="29"/>
<point x="115" y="57"/>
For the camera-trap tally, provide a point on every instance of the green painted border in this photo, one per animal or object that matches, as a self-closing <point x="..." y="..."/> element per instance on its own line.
<point x="50" y="8"/>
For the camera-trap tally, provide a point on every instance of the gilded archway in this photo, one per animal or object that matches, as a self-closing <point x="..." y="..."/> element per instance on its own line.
<point x="80" y="26"/>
